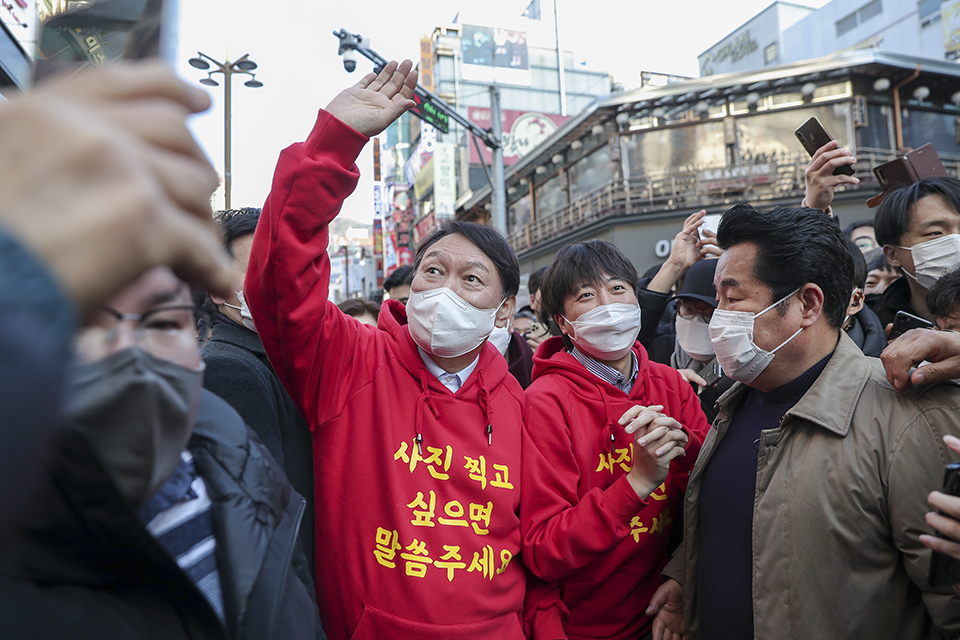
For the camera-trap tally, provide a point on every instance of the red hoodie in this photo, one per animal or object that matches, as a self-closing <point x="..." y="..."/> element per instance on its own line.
<point x="407" y="546"/>
<point x="585" y="531"/>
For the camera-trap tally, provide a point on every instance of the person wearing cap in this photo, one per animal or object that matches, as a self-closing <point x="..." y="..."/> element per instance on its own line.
<point x="609" y="440"/>
<point x="691" y="351"/>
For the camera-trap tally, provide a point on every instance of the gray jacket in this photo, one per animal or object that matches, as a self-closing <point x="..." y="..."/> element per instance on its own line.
<point x="839" y="504"/>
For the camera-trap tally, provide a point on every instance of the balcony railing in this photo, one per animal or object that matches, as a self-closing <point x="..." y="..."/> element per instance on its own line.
<point x="781" y="180"/>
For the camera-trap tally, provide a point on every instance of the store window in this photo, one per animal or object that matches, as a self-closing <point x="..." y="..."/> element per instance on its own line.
<point x="518" y="214"/>
<point x="770" y="54"/>
<point x="691" y="148"/>
<point x="921" y="127"/>
<point x="592" y="172"/>
<point x="550" y="197"/>
<point x="768" y="137"/>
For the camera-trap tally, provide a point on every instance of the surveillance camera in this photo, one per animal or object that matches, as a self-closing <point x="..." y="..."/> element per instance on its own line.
<point x="350" y="60"/>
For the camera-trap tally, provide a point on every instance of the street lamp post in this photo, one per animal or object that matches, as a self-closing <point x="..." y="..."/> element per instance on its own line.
<point x="244" y="66"/>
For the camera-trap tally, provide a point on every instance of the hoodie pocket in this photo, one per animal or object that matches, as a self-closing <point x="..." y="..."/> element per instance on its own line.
<point x="378" y="625"/>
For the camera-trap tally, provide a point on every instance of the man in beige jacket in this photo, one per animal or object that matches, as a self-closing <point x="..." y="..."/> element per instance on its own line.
<point x="805" y="507"/>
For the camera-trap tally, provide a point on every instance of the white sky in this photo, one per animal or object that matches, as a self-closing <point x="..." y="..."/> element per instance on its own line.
<point x="293" y="44"/>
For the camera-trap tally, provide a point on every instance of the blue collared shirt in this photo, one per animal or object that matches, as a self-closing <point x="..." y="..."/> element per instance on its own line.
<point x="608" y="373"/>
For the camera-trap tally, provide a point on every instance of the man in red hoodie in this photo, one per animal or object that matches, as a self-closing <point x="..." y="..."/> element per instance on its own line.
<point x="416" y="423"/>
<point x="602" y="465"/>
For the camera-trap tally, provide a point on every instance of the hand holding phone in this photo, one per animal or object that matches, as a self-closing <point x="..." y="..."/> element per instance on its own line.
<point x="944" y="569"/>
<point x="813" y="136"/>
<point x="904" y="321"/>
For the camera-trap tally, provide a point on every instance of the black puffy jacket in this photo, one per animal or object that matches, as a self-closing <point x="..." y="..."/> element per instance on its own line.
<point x="83" y="566"/>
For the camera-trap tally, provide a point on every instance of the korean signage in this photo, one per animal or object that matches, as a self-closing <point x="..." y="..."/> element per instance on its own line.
<point x="492" y="54"/>
<point x="444" y="179"/>
<point x="950" y="15"/>
<point x="736" y="178"/>
<point x="426" y="64"/>
<point x="734" y="49"/>
<point x="522" y="131"/>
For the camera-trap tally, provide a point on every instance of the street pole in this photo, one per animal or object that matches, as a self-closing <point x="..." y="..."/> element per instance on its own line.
<point x="498" y="217"/>
<point x="244" y="65"/>
<point x="227" y="116"/>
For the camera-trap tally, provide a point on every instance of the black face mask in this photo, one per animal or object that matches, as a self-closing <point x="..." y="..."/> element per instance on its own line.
<point x="871" y="299"/>
<point x="138" y="411"/>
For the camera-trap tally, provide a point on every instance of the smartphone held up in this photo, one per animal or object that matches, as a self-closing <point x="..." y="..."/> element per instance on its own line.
<point x="812" y="136"/>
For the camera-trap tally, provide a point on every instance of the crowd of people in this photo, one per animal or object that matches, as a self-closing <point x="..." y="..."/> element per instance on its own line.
<point x="202" y="445"/>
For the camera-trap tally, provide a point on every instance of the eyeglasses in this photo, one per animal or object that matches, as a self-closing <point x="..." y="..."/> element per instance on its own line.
<point x="689" y="311"/>
<point x="172" y="333"/>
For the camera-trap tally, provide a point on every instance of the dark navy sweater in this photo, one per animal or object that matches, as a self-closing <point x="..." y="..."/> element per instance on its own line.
<point x="724" y="570"/>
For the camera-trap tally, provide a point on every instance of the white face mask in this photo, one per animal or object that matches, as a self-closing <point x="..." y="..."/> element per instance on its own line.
<point x="694" y="337"/>
<point x="244" y="311"/>
<point x="934" y="259"/>
<point x="445" y="325"/>
<point x="606" y="332"/>
<point x="500" y="338"/>
<point x="732" y="335"/>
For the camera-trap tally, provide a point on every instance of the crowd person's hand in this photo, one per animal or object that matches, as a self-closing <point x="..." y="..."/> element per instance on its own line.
<point x="708" y="245"/>
<point x="687" y="249"/>
<point x="692" y="378"/>
<point x="941" y="349"/>
<point x="666" y="607"/>
<point x="103" y="180"/>
<point x="377" y="100"/>
<point x="821" y="183"/>
<point x="947" y="524"/>
<point x="658" y="439"/>
<point x="537" y="334"/>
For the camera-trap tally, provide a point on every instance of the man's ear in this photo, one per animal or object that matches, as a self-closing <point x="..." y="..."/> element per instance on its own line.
<point x="506" y="312"/>
<point x="856" y="302"/>
<point x="891" y="255"/>
<point x="811" y="295"/>
<point x="217" y="300"/>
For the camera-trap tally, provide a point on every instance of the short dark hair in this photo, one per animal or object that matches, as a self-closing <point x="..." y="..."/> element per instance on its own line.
<point x="357" y="307"/>
<point x="859" y="263"/>
<point x="859" y="224"/>
<point x="896" y="209"/>
<point x="400" y="277"/>
<point x="236" y="223"/>
<point x="581" y="263"/>
<point x="794" y="247"/>
<point x="944" y="296"/>
<point x="491" y="242"/>
<point x="533" y="282"/>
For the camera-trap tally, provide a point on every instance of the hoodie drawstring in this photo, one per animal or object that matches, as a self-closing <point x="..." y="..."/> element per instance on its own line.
<point x="607" y="435"/>
<point x="425" y="399"/>
<point x="487" y="411"/>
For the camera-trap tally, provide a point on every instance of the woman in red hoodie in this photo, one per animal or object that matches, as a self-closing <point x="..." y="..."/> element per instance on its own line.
<point x="603" y="463"/>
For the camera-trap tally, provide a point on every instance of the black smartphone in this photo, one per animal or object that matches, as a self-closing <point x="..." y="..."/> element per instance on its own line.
<point x="812" y="136"/>
<point x="711" y="372"/>
<point x="904" y="321"/>
<point x="944" y="569"/>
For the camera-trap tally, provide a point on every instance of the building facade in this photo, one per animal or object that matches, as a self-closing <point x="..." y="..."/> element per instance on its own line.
<point x="426" y="173"/>
<point x="632" y="166"/>
<point x="785" y="33"/>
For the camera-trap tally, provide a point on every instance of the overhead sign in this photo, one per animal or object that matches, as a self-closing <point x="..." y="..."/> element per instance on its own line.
<point x="427" y="111"/>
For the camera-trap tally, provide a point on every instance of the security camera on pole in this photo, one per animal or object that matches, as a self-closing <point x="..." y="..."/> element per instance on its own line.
<point x="433" y="110"/>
